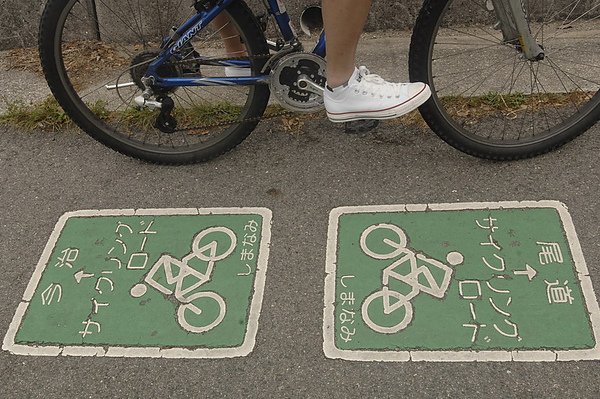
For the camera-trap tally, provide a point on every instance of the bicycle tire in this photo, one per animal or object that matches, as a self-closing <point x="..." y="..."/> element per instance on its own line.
<point x="455" y="130"/>
<point x="150" y="144"/>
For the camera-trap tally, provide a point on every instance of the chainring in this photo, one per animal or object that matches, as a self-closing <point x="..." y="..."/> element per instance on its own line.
<point x="284" y="81"/>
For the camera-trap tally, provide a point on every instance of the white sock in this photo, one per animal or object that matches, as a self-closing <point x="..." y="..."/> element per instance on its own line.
<point x="339" y="91"/>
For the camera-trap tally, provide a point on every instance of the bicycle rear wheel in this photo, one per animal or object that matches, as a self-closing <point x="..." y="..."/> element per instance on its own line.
<point x="491" y="102"/>
<point x="87" y="45"/>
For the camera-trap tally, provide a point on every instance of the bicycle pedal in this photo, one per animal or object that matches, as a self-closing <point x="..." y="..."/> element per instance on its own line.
<point x="361" y="126"/>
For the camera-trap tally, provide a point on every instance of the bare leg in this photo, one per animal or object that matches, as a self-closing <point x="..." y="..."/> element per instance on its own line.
<point x="366" y="95"/>
<point x="344" y="21"/>
<point x="231" y="37"/>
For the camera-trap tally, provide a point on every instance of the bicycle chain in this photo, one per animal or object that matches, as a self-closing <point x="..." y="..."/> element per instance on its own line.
<point x="233" y="122"/>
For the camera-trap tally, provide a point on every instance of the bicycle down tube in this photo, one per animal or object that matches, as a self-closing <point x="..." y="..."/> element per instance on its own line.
<point x="198" y="22"/>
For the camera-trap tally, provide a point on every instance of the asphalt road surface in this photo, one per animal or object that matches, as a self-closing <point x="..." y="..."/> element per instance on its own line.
<point x="301" y="178"/>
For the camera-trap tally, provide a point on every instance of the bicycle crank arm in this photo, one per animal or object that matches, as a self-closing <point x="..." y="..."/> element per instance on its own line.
<point x="306" y="84"/>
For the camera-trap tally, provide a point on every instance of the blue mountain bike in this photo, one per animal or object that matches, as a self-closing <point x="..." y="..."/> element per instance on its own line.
<point x="155" y="80"/>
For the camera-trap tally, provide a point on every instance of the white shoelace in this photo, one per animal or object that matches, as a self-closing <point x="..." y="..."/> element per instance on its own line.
<point x="375" y="85"/>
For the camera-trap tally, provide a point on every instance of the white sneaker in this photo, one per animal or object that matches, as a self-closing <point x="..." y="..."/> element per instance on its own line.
<point x="237" y="72"/>
<point x="368" y="96"/>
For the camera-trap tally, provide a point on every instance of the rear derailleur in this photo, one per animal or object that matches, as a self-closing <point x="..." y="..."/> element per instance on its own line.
<point x="165" y="122"/>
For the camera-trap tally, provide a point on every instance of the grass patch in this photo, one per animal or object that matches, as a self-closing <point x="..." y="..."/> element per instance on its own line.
<point x="49" y="116"/>
<point x="479" y="107"/>
<point x="207" y="114"/>
<point x="491" y="104"/>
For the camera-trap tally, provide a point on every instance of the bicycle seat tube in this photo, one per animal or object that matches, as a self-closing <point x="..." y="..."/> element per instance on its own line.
<point x="515" y="28"/>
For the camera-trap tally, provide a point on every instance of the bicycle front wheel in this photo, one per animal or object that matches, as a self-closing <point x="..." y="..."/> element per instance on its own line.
<point x="489" y="100"/>
<point x="95" y="54"/>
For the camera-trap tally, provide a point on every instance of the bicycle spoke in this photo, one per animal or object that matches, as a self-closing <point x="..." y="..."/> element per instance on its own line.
<point x="478" y="85"/>
<point x="561" y="10"/>
<point x="538" y="85"/>
<point x="138" y="25"/>
<point x="135" y="30"/>
<point x="498" y="98"/>
<point x="505" y="119"/>
<point x="475" y="36"/>
<point x="477" y="26"/>
<point x="102" y="86"/>
<point x="560" y="31"/>
<point x="533" y="103"/>
<point x="119" y="122"/>
<point x="126" y="24"/>
<point x="104" y="34"/>
<point x="466" y="78"/>
<point x="572" y="61"/>
<point x="568" y="74"/>
<point x="585" y="13"/>
<point x="468" y="51"/>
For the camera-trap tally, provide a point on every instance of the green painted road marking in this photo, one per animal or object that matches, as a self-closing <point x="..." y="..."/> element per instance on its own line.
<point x="147" y="283"/>
<point x="458" y="282"/>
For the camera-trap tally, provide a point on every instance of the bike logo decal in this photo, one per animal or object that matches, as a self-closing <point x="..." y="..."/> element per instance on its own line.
<point x="187" y="37"/>
<point x="147" y="283"/>
<point x="458" y="282"/>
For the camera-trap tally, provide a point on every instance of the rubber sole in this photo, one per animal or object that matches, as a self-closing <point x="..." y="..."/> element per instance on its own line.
<point x="388" y="113"/>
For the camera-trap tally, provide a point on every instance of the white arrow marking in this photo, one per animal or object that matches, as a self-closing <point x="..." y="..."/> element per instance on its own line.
<point x="81" y="275"/>
<point x="529" y="271"/>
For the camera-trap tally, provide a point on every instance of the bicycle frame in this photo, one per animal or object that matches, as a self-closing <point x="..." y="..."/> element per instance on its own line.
<point x="510" y="13"/>
<point x="198" y="22"/>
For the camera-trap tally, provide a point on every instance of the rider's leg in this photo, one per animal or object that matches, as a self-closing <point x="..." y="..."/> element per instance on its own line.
<point x="233" y="43"/>
<point x="354" y="93"/>
<point x="230" y="36"/>
<point x="344" y="22"/>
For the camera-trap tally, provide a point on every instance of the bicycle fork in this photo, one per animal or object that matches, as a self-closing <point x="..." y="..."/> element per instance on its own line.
<point x="515" y="28"/>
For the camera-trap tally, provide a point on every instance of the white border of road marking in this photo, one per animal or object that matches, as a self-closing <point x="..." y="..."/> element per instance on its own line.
<point x="332" y="352"/>
<point x="117" y="351"/>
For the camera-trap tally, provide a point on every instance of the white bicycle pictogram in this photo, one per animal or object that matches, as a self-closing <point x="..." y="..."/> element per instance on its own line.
<point x="206" y="248"/>
<point x="419" y="266"/>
